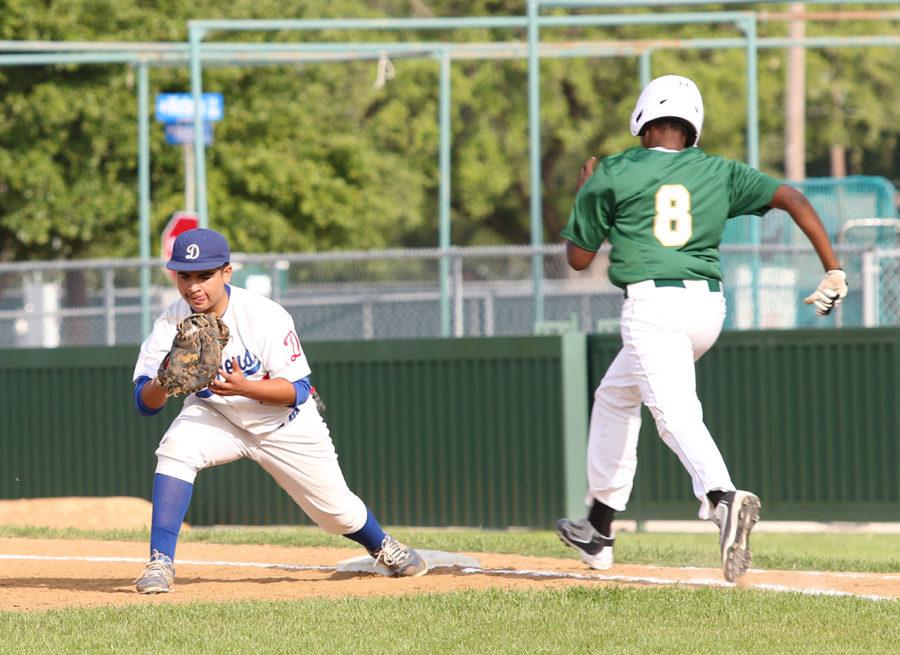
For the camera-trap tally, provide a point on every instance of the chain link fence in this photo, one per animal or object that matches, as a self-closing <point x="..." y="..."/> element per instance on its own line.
<point x="881" y="287"/>
<point x="768" y="266"/>
<point x="427" y="293"/>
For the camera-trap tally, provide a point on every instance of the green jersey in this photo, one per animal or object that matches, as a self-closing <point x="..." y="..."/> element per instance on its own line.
<point x="664" y="212"/>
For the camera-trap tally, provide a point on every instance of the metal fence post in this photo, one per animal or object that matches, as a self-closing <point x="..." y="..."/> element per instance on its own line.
<point x="534" y="134"/>
<point x="458" y="318"/>
<point x="870" y="291"/>
<point x="109" y="304"/>
<point x="749" y="27"/>
<point x="144" y="192"/>
<point x="196" y="35"/>
<point x="646" y="71"/>
<point x="444" y="191"/>
<point x="489" y="313"/>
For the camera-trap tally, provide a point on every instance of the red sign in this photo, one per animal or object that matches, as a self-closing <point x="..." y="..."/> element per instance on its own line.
<point x="180" y="222"/>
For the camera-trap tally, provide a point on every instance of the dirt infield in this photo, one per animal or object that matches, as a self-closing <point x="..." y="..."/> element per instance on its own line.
<point x="85" y="513"/>
<point x="38" y="575"/>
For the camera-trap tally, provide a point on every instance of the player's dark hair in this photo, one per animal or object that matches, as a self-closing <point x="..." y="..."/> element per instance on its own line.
<point x="671" y="122"/>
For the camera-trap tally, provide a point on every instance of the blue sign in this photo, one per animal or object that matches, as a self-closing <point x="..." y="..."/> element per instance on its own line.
<point x="181" y="133"/>
<point x="179" y="107"/>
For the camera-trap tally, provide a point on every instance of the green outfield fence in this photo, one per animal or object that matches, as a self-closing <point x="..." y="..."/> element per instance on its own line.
<point x="429" y="432"/>
<point x="809" y="420"/>
<point x="489" y="432"/>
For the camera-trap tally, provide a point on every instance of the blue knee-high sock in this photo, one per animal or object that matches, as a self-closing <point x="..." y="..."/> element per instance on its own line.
<point x="370" y="535"/>
<point x="171" y="498"/>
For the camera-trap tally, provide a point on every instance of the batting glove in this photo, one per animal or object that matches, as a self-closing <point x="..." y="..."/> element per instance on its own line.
<point x="832" y="289"/>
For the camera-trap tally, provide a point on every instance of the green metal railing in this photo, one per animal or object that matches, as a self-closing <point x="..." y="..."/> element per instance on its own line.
<point x="196" y="53"/>
<point x="746" y="21"/>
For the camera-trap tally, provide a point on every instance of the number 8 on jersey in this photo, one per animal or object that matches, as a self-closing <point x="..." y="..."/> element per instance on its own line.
<point x="673" y="223"/>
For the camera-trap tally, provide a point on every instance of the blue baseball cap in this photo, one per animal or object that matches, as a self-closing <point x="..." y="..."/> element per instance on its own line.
<point x="199" y="249"/>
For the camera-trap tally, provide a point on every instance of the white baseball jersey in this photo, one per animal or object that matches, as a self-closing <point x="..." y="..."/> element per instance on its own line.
<point x="292" y="443"/>
<point x="264" y="342"/>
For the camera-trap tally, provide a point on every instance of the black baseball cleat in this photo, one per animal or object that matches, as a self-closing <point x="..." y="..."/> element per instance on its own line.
<point x="736" y="514"/>
<point x="594" y="549"/>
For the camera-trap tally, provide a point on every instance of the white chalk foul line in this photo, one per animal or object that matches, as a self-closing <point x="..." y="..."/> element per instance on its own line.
<point x="474" y="570"/>
<point x="851" y="575"/>
<point x="829" y="574"/>
<point x="181" y="562"/>
<point x="697" y="582"/>
<point x="704" y="582"/>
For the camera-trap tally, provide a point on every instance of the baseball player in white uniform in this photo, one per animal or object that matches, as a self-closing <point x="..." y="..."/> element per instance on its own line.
<point x="663" y="206"/>
<point x="259" y="407"/>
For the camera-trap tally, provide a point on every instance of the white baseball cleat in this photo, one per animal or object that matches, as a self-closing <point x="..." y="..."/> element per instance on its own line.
<point x="402" y="560"/>
<point x="594" y="549"/>
<point x="736" y="514"/>
<point x="158" y="576"/>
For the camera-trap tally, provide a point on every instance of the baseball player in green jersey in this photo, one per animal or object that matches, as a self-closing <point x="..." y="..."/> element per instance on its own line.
<point x="663" y="207"/>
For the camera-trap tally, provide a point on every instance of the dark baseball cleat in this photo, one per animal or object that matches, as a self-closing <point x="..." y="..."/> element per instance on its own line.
<point x="402" y="560"/>
<point x="736" y="514"/>
<point x="158" y="576"/>
<point x="594" y="549"/>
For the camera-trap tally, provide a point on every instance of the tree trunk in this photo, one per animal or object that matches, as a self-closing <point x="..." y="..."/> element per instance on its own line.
<point x="76" y="329"/>
<point x="838" y="160"/>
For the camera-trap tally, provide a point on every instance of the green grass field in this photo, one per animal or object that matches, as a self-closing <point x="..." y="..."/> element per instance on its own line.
<point x="579" y="620"/>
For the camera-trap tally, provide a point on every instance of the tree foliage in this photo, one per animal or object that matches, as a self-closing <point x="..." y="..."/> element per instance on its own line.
<point x="313" y="157"/>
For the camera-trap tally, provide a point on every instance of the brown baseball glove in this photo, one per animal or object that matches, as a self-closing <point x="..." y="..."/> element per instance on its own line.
<point x="196" y="355"/>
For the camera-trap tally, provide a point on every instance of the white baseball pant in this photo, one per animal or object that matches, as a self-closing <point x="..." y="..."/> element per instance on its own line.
<point x="664" y="331"/>
<point x="300" y="456"/>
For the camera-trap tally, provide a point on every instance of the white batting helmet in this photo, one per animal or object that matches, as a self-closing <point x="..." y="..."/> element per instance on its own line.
<point x="669" y="96"/>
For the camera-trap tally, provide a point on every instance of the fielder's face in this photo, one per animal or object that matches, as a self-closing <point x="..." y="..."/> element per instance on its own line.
<point x="205" y="291"/>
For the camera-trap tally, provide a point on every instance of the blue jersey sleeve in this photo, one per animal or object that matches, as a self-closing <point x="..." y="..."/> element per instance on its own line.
<point x="142" y="409"/>
<point x="301" y="386"/>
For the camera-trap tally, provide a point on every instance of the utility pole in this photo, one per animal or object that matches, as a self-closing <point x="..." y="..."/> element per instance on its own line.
<point x="838" y="149"/>
<point x="795" y="120"/>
